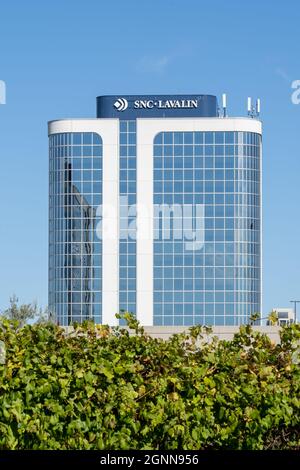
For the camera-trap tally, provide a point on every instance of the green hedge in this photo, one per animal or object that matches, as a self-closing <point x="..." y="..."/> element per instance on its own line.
<point x="105" y="389"/>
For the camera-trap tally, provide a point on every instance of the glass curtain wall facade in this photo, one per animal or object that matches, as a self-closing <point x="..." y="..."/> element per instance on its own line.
<point x="75" y="192"/>
<point x="127" y="192"/>
<point x="219" y="284"/>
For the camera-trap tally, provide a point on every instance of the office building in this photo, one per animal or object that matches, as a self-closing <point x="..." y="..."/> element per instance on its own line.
<point x="155" y="208"/>
<point x="285" y="316"/>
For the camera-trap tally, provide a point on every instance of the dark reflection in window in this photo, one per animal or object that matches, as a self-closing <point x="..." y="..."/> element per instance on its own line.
<point x="78" y="256"/>
<point x="75" y="192"/>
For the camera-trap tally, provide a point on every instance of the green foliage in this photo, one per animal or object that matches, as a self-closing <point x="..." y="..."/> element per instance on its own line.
<point x="254" y="318"/>
<point x="103" y="388"/>
<point x="273" y="318"/>
<point x="23" y="313"/>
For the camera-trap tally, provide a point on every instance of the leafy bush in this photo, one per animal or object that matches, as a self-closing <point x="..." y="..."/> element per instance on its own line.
<point x="102" y="388"/>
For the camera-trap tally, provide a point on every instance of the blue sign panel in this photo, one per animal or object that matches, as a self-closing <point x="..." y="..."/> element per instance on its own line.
<point x="156" y="106"/>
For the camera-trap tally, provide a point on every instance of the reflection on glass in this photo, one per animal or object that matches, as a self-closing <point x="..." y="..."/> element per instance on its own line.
<point x="75" y="191"/>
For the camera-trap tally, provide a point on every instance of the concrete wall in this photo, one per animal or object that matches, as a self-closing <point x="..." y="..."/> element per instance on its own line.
<point x="223" y="332"/>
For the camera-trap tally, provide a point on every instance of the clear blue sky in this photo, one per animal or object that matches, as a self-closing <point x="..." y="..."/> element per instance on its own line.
<point x="57" y="56"/>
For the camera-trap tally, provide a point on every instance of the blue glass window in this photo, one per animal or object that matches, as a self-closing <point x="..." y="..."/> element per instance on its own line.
<point x="75" y="249"/>
<point x="200" y="295"/>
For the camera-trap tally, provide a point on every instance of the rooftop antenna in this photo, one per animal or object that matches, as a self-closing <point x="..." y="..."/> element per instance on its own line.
<point x="257" y="107"/>
<point x="249" y="106"/>
<point x="253" y="111"/>
<point x="224" y="104"/>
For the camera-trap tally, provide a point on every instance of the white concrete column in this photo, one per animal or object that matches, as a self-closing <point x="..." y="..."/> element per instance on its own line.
<point x="110" y="222"/>
<point x="144" y="243"/>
